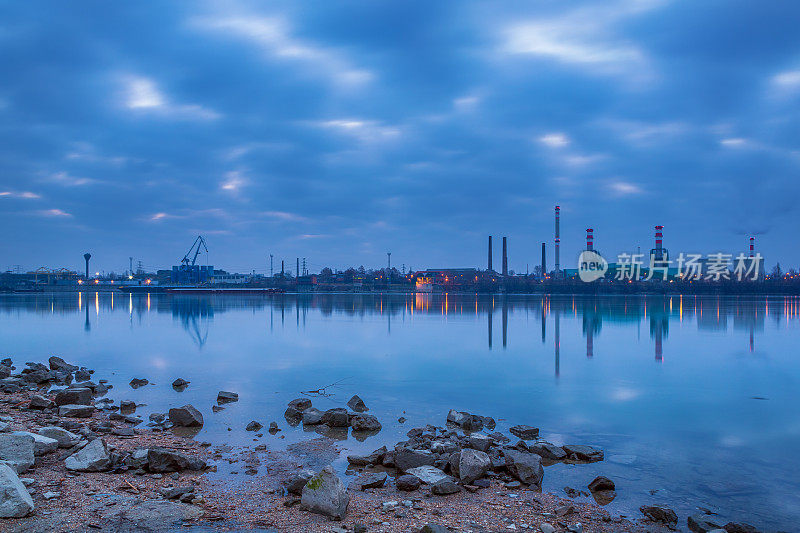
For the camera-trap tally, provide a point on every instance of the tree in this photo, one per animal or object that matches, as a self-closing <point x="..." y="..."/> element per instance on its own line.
<point x="776" y="272"/>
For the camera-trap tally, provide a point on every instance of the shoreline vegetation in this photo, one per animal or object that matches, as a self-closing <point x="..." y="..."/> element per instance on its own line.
<point x="74" y="459"/>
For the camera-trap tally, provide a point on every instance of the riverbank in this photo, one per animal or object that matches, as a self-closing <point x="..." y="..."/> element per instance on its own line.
<point x="88" y="462"/>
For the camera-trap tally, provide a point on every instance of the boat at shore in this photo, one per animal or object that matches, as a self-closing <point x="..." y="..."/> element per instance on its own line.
<point x="199" y="290"/>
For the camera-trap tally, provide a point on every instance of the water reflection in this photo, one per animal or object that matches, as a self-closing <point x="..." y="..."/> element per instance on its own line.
<point x="196" y="313"/>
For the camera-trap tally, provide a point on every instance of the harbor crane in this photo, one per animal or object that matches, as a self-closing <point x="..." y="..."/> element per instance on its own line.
<point x="199" y="243"/>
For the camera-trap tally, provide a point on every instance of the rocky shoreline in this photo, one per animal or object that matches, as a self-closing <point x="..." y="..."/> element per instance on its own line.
<point x="71" y="459"/>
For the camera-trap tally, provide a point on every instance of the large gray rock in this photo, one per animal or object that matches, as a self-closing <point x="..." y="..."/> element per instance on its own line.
<point x="407" y="458"/>
<point x="472" y="465"/>
<point x="93" y="457"/>
<point x="524" y="432"/>
<point x="465" y="421"/>
<point x="445" y="487"/>
<point x="56" y="363"/>
<point x="17" y="452"/>
<point x="526" y="467"/>
<point x="165" y="460"/>
<point x="312" y="416"/>
<point x="370" y="480"/>
<point x="363" y="460"/>
<point x="548" y="451"/>
<point x="66" y="439"/>
<point x="430" y="475"/>
<point x="580" y="452"/>
<point x="357" y="404"/>
<point x="76" y="411"/>
<point x="336" y="417"/>
<point x="74" y="396"/>
<point x="40" y="402"/>
<point x="407" y="482"/>
<point x="41" y="445"/>
<point x="227" y="397"/>
<point x="15" y="501"/>
<point x="137" y="458"/>
<point x="659" y="514"/>
<point x="363" y="422"/>
<point x="298" y="481"/>
<point x="186" y="416"/>
<point x="301" y="404"/>
<point x="325" y="494"/>
<point x="704" y="523"/>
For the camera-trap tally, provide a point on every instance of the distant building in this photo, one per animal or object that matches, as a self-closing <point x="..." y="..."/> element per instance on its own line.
<point x="446" y="278"/>
<point x="191" y="274"/>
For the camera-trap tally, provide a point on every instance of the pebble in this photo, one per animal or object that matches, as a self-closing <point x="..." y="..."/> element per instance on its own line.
<point x="51" y="495"/>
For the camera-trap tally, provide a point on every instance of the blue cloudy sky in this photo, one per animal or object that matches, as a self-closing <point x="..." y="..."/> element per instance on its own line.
<point x="338" y="131"/>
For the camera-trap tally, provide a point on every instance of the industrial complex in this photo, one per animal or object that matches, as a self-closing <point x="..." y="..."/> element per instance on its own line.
<point x="627" y="272"/>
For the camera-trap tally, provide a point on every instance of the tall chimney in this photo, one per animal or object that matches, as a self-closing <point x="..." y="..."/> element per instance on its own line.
<point x="589" y="239"/>
<point x="87" y="256"/>
<point x="558" y="238"/>
<point x="282" y="270"/>
<point x="544" y="262"/>
<point x="490" y="254"/>
<point x="505" y="258"/>
<point x="752" y="246"/>
<point x="659" y="237"/>
<point x="297" y="272"/>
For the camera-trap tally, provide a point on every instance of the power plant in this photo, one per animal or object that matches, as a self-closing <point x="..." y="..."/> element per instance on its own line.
<point x="558" y="239"/>
<point x="190" y="275"/>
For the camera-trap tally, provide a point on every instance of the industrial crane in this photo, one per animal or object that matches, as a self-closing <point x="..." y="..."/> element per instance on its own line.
<point x="196" y="246"/>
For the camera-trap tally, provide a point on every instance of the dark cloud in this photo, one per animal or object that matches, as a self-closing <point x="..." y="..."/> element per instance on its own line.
<point x="346" y="130"/>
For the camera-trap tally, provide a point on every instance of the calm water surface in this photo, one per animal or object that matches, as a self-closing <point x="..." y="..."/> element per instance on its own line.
<point x="694" y="400"/>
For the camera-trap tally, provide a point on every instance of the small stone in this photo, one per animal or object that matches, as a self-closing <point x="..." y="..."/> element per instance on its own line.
<point x="51" y="495"/>
<point x="408" y="482"/>
<point x="226" y="397"/>
<point x="357" y="404"/>
<point x="253" y="426"/>
<point x="186" y="416"/>
<point x="659" y="514"/>
<point x="40" y="402"/>
<point x="138" y="382"/>
<point x="545" y="527"/>
<point x="180" y="383"/>
<point x="336" y="417"/>
<point x="445" y="487"/>
<point x="76" y="411"/>
<point x="363" y="422"/>
<point x="93" y="457"/>
<point x="601" y="483"/>
<point x="300" y="404"/>
<point x="524" y="432"/>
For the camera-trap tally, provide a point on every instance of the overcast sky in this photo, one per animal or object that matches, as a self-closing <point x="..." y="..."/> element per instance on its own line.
<point x="338" y="131"/>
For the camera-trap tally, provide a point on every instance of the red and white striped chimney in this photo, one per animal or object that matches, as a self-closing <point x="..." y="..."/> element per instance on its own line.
<point x="590" y="239"/>
<point x="752" y="246"/>
<point x="659" y="237"/>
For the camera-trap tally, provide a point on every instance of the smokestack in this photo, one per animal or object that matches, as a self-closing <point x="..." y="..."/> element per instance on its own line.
<point x="558" y="237"/>
<point x="589" y="239"/>
<point x="505" y="258"/>
<point x="87" y="256"/>
<point x="490" y="253"/>
<point x="544" y="262"/>
<point x="752" y="246"/>
<point x="659" y="238"/>
<point x="297" y="272"/>
<point x="282" y="270"/>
